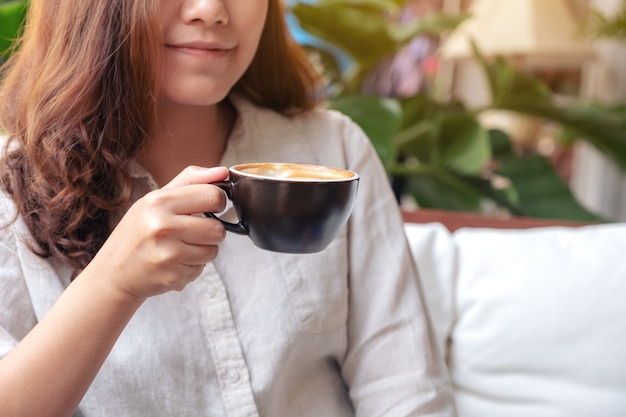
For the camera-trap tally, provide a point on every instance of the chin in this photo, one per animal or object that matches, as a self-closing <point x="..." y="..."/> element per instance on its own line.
<point x="197" y="98"/>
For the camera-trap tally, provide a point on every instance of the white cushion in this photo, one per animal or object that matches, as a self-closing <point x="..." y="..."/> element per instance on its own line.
<point x="536" y="318"/>
<point x="433" y="248"/>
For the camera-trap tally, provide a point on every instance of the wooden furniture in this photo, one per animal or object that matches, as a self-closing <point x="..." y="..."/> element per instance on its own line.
<point x="454" y="220"/>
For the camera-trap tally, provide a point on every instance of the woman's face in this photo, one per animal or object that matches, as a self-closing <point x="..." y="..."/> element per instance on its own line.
<point x="208" y="44"/>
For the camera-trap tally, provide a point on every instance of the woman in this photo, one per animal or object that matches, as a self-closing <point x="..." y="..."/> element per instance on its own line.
<point x="112" y="109"/>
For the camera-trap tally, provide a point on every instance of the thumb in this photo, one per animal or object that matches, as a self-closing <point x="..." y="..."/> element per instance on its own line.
<point x="198" y="175"/>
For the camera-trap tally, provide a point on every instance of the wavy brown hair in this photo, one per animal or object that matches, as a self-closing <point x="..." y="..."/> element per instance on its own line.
<point x="79" y="101"/>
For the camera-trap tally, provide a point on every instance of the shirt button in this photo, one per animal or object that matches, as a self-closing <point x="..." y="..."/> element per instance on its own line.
<point x="212" y="293"/>
<point x="233" y="377"/>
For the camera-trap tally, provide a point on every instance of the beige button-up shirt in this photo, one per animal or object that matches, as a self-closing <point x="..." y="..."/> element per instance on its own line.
<point x="338" y="333"/>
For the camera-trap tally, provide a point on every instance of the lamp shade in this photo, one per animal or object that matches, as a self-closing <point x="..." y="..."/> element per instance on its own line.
<point x="523" y="28"/>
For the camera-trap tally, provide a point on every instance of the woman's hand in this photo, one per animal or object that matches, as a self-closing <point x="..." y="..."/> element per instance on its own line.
<point x="158" y="246"/>
<point x="161" y="244"/>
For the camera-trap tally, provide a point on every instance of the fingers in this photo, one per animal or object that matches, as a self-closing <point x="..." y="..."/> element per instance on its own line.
<point x="191" y="192"/>
<point x="190" y="199"/>
<point x="196" y="255"/>
<point x="174" y="257"/>
<point x="198" y="175"/>
<point x="201" y="231"/>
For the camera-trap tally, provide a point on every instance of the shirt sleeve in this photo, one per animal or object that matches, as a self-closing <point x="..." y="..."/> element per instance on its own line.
<point x="17" y="316"/>
<point x="393" y="367"/>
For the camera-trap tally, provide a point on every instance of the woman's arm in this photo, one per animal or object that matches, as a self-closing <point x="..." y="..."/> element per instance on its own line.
<point x="50" y="370"/>
<point x="393" y="367"/>
<point x="157" y="247"/>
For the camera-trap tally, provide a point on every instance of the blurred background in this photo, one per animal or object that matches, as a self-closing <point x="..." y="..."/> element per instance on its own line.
<point x="500" y="107"/>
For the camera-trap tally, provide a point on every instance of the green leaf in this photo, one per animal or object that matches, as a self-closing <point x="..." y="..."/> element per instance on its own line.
<point x="501" y="144"/>
<point x="11" y="18"/>
<point x="444" y="136"/>
<point x="441" y="189"/>
<point x="380" y="118"/>
<point x="357" y="28"/>
<point x="464" y="145"/>
<point x="541" y="191"/>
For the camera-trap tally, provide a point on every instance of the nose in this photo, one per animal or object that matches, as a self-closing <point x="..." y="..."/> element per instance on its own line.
<point x="207" y="12"/>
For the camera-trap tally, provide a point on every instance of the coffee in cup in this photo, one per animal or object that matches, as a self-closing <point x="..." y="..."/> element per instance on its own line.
<point x="287" y="207"/>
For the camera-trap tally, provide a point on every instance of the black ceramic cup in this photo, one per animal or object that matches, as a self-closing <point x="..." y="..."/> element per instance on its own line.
<point x="292" y="208"/>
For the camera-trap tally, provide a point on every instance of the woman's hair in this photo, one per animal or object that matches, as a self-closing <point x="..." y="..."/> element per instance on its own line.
<point x="280" y="76"/>
<point x="79" y="100"/>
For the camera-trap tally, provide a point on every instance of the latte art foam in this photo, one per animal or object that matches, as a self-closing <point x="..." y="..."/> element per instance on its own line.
<point x="296" y="172"/>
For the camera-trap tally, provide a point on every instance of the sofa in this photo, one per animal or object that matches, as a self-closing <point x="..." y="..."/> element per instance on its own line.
<point x="530" y="315"/>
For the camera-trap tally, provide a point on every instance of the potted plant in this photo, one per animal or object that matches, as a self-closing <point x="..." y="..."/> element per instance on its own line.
<point x="439" y="150"/>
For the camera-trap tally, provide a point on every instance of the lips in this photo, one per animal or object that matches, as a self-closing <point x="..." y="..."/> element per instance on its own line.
<point x="200" y="48"/>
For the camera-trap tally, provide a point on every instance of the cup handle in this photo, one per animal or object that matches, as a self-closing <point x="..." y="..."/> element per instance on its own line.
<point x="238" y="228"/>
